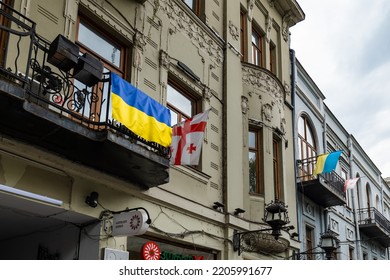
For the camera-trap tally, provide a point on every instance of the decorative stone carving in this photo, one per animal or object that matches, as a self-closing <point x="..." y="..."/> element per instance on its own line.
<point x="251" y="4"/>
<point x="164" y="59"/>
<point x="139" y="40"/>
<point x="266" y="111"/>
<point x="207" y="94"/>
<point x="283" y="126"/>
<point x="234" y="31"/>
<point x="268" y="25"/>
<point x="285" y="26"/>
<point x="264" y="82"/>
<point x="244" y="105"/>
<point x="186" y="25"/>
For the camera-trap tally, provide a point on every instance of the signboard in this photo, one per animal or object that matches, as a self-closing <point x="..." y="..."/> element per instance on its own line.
<point x="130" y="223"/>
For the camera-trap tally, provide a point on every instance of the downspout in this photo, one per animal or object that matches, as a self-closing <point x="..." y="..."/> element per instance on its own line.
<point x="293" y="92"/>
<point x="356" y="223"/>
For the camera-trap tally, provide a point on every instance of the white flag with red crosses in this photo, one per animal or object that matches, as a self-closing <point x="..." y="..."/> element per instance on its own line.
<point x="187" y="139"/>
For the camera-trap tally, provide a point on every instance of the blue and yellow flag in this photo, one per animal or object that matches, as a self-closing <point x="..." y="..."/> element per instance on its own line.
<point x="326" y="162"/>
<point x="140" y="113"/>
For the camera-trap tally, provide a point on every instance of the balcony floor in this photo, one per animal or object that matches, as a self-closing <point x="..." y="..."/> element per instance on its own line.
<point x="102" y="150"/>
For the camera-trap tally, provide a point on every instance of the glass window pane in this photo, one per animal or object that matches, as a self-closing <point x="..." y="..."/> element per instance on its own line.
<point x="301" y="127"/>
<point x="179" y="101"/>
<point x="252" y="172"/>
<point x="252" y="139"/>
<point x="99" y="45"/>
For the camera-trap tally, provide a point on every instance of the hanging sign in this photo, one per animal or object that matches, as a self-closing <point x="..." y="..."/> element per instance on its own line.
<point x="130" y="223"/>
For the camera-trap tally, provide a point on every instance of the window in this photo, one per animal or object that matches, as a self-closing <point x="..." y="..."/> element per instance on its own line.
<point x="273" y="65"/>
<point x="257" y="48"/>
<point x="182" y="105"/>
<point x="306" y="145"/>
<point x="243" y="35"/>
<point x="107" y="50"/>
<point x="255" y="176"/>
<point x="277" y="169"/>
<point x="309" y="242"/>
<point x="197" y="6"/>
<point x="351" y="253"/>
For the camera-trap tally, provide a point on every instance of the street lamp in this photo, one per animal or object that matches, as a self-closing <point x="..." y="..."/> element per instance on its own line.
<point x="276" y="216"/>
<point x="329" y="243"/>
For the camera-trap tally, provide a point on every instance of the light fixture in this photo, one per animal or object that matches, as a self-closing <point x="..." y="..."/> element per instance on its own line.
<point x="329" y="243"/>
<point x="238" y="211"/>
<point x="276" y="216"/>
<point x="92" y="199"/>
<point x="30" y="195"/>
<point x="218" y="205"/>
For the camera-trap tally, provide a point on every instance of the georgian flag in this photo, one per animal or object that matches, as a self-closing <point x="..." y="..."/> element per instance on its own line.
<point x="350" y="183"/>
<point x="187" y="139"/>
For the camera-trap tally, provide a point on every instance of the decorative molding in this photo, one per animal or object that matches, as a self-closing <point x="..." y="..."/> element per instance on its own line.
<point x="244" y="105"/>
<point x="199" y="37"/>
<point x="264" y="82"/>
<point x="250" y="6"/>
<point x="334" y="225"/>
<point x="70" y="14"/>
<point x="266" y="112"/>
<point x="285" y="26"/>
<point x="268" y="28"/>
<point x="165" y="59"/>
<point x="234" y="31"/>
<point x="207" y="94"/>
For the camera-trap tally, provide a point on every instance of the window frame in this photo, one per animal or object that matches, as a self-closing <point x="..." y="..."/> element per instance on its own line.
<point x="197" y="7"/>
<point x="92" y="112"/>
<point x="277" y="168"/>
<point x="243" y="35"/>
<point x="257" y="48"/>
<point x="305" y="148"/>
<point x="257" y="150"/>
<point x="182" y="90"/>
<point x="273" y="59"/>
<point x="309" y="242"/>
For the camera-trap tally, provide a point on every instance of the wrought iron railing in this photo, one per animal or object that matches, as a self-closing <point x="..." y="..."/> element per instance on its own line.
<point x="306" y="173"/>
<point x="26" y="65"/>
<point x="373" y="216"/>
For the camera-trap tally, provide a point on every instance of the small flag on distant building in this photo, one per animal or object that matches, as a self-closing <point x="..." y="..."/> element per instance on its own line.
<point x="187" y="139"/>
<point x="140" y="113"/>
<point x="350" y="183"/>
<point x="326" y="162"/>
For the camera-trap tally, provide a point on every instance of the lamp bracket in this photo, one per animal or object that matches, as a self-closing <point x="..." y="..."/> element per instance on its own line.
<point x="258" y="240"/>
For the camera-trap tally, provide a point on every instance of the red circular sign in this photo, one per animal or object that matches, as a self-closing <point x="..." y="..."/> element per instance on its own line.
<point x="151" y="251"/>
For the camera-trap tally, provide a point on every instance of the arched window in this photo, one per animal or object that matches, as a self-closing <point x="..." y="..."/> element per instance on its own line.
<point x="306" y="144"/>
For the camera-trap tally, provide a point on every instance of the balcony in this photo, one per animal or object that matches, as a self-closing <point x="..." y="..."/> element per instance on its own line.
<point x="374" y="225"/>
<point x="47" y="107"/>
<point x="325" y="189"/>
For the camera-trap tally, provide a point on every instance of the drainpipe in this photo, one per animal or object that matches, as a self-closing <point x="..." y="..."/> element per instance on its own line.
<point x="357" y="232"/>
<point x="294" y="132"/>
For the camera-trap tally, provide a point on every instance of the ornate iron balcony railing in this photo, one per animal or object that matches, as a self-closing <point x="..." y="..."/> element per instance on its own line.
<point x="24" y="64"/>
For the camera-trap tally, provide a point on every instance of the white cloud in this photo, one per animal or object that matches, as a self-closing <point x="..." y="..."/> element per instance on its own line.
<point x="344" y="47"/>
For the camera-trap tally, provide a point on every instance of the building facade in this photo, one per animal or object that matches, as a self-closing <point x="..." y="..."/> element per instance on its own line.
<point x="68" y="170"/>
<point x="357" y="217"/>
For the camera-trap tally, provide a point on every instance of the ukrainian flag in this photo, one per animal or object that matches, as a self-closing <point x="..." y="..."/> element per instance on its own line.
<point x="140" y="113"/>
<point x="326" y="162"/>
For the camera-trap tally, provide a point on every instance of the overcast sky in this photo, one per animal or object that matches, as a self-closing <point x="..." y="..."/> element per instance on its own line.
<point x="344" y="45"/>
